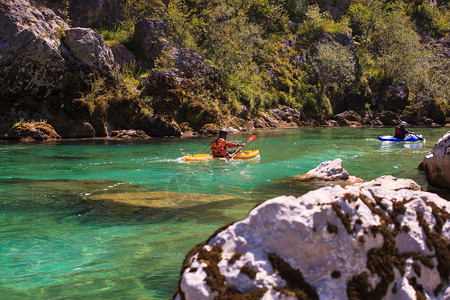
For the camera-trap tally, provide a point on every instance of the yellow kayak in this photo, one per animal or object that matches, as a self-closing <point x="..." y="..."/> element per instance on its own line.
<point x="204" y="156"/>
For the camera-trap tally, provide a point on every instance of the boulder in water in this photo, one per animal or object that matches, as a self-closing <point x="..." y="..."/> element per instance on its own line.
<point x="437" y="163"/>
<point x="328" y="171"/>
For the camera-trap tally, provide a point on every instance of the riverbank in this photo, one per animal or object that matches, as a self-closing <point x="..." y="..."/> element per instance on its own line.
<point x="42" y="131"/>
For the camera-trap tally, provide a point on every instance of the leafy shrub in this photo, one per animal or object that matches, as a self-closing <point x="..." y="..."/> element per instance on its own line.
<point x="430" y="17"/>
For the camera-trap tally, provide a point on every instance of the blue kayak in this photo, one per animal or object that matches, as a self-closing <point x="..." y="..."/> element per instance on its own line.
<point x="408" y="138"/>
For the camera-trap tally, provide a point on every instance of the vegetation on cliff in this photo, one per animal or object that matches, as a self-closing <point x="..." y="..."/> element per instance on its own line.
<point x="258" y="47"/>
<point x="219" y="62"/>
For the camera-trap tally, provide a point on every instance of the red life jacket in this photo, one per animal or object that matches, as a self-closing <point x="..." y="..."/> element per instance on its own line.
<point x="219" y="147"/>
<point x="398" y="131"/>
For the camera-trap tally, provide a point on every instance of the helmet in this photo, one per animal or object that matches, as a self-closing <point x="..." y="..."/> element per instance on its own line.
<point x="403" y="123"/>
<point x="223" y="132"/>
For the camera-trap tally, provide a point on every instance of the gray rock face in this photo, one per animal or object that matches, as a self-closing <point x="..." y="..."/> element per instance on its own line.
<point x="437" y="163"/>
<point x="123" y="57"/>
<point x="95" y="13"/>
<point x="33" y="60"/>
<point x="87" y="47"/>
<point x="157" y="42"/>
<point x="30" y="58"/>
<point x="396" y="96"/>
<point x="359" y="242"/>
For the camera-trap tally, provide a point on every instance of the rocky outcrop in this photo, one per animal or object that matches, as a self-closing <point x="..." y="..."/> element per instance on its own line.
<point x="124" y="58"/>
<point x="348" y="118"/>
<point x="34" y="60"/>
<point x="328" y="171"/>
<point x="437" y="163"/>
<point x="129" y="134"/>
<point x="354" y="242"/>
<point x="395" y="97"/>
<point x="32" y="131"/>
<point x="183" y="86"/>
<point x="157" y="126"/>
<point x="88" y="48"/>
<point x="157" y="43"/>
<point x="95" y="13"/>
<point x="31" y="62"/>
<point x="287" y="114"/>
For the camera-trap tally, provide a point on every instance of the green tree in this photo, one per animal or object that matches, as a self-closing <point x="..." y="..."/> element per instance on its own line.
<point x="334" y="64"/>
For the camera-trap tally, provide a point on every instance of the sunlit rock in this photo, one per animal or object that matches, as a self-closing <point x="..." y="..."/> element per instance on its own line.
<point x="437" y="163"/>
<point x="389" y="182"/>
<point x="32" y="131"/>
<point x="87" y="47"/>
<point x="358" y="242"/>
<point x="328" y="171"/>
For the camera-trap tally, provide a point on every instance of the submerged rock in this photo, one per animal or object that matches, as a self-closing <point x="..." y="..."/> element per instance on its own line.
<point x="437" y="163"/>
<point x="159" y="199"/>
<point x="359" y="242"/>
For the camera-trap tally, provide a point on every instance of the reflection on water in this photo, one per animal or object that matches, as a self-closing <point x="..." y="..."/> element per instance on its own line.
<point x="115" y="219"/>
<point x="407" y="145"/>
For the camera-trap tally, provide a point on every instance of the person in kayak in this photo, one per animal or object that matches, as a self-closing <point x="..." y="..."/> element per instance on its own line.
<point x="401" y="132"/>
<point x="219" y="147"/>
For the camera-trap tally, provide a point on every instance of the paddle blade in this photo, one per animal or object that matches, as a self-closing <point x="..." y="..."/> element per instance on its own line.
<point x="251" y="138"/>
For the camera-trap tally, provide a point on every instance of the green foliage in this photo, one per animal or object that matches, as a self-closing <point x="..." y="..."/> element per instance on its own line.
<point x="245" y="41"/>
<point x="116" y="36"/>
<point x="388" y="47"/>
<point x="334" y="64"/>
<point x="165" y="61"/>
<point x="430" y="17"/>
<point x="316" y="23"/>
<point x="181" y="22"/>
<point x="269" y="14"/>
<point x="297" y="9"/>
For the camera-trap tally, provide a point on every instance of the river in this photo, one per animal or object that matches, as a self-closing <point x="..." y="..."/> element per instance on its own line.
<point x="108" y="219"/>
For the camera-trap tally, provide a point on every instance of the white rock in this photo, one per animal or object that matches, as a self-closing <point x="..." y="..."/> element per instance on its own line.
<point x="326" y="235"/>
<point x="437" y="163"/>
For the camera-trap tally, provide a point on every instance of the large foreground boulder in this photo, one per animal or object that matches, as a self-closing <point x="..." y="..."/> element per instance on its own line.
<point x="355" y="242"/>
<point x="437" y="163"/>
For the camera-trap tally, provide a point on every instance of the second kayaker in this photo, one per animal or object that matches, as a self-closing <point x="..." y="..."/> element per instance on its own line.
<point x="401" y="132"/>
<point x="219" y="147"/>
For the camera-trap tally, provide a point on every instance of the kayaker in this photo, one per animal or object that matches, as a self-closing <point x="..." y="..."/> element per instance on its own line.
<point x="401" y="132"/>
<point x="219" y="147"/>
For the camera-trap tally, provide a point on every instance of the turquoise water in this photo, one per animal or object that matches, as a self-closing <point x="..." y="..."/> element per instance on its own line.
<point x="103" y="219"/>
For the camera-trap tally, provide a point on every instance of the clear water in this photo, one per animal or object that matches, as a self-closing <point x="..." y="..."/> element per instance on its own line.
<point x="115" y="219"/>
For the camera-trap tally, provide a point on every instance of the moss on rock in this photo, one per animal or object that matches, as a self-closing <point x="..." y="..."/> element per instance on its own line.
<point x="39" y="131"/>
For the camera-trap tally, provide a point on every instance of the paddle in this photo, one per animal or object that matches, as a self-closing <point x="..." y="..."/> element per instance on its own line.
<point x="420" y="137"/>
<point x="236" y="152"/>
